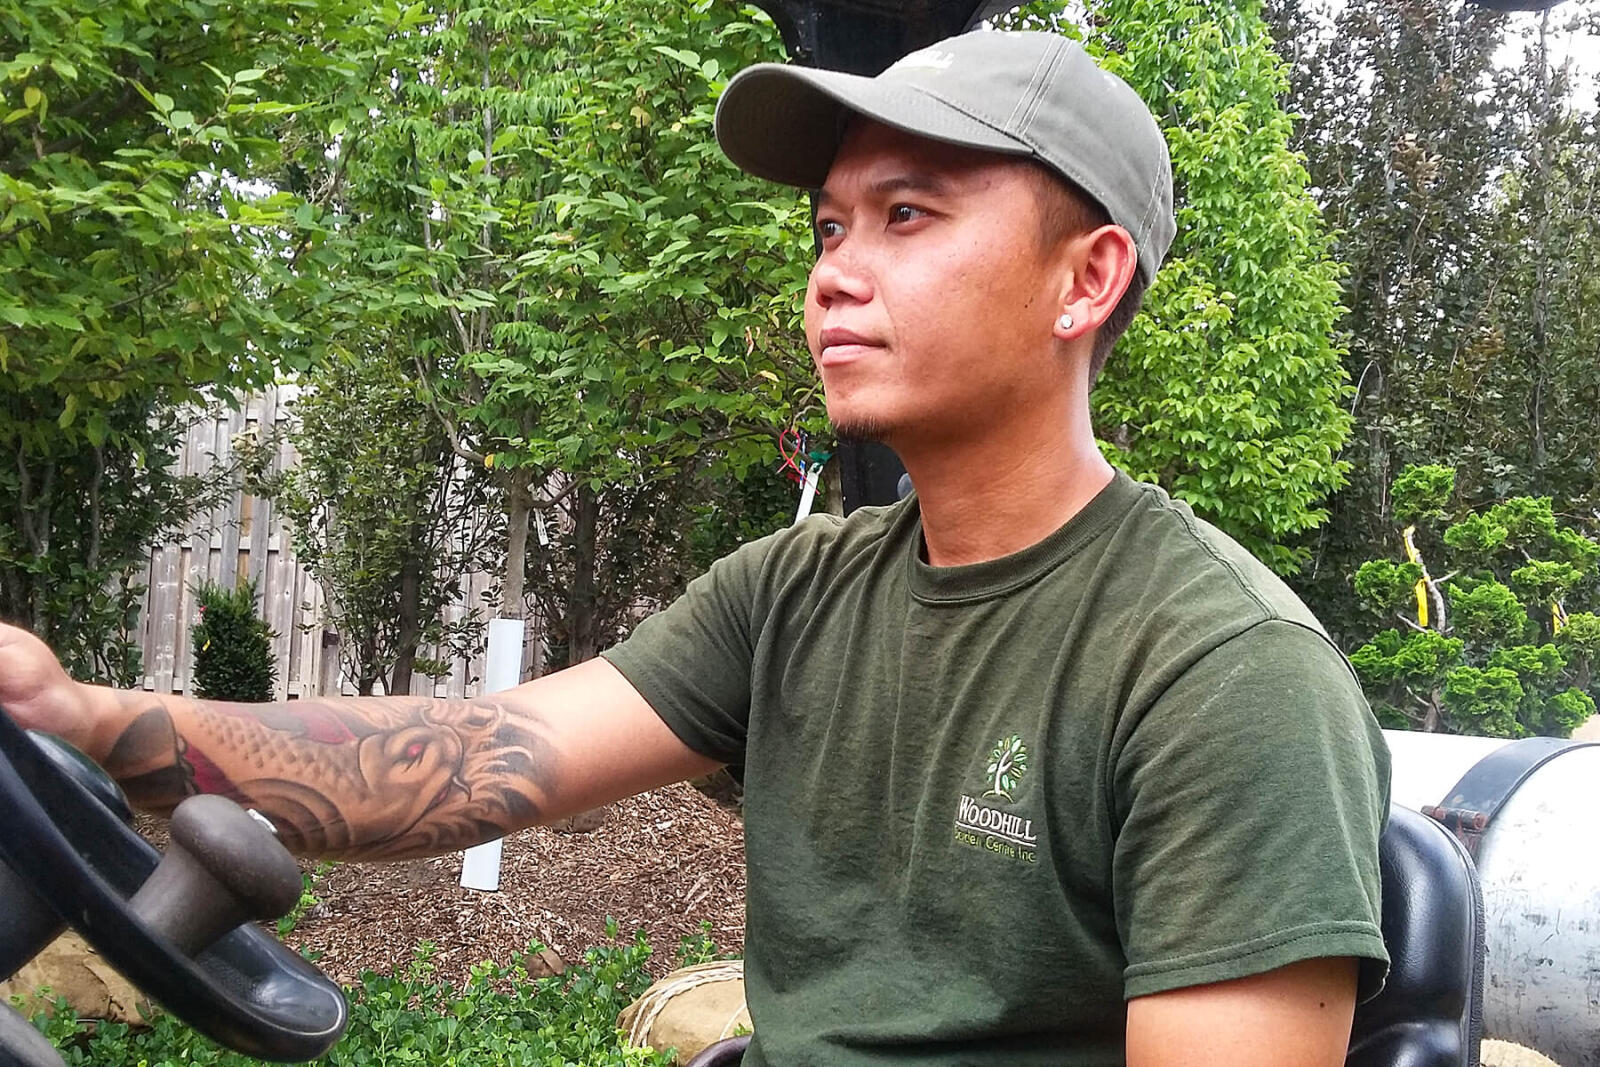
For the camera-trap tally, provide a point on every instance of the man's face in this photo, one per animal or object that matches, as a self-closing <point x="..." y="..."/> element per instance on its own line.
<point x="929" y="311"/>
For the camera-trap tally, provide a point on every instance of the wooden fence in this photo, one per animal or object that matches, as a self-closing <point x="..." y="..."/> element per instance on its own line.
<point x="246" y="537"/>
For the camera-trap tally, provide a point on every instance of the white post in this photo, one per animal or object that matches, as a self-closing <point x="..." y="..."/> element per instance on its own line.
<point x="808" y="491"/>
<point x="480" y="865"/>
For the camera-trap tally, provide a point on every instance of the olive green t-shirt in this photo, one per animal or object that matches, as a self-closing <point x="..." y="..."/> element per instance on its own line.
<point x="986" y="804"/>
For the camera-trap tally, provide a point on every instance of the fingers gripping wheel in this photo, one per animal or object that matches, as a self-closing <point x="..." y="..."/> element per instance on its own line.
<point x="171" y="926"/>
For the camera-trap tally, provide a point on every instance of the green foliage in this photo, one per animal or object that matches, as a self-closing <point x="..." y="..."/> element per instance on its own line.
<point x="680" y="272"/>
<point x="1477" y="536"/>
<point x="233" y="657"/>
<point x="1566" y="711"/>
<point x="308" y="898"/>
<point x="150" y="255"/>
<point x="500" y="1016"/>
<point x="133" y="253"/>
<point x="1574" y="548"/>
<point x="1528" y="521"/>
<point x="1386" y="586"/>
<point x="1419" y="659"/>
<point x="1542" y="580"/>
<point x="597" y="305"/>
<point x="699" y="948"/>
<point x="1228" y="389"/>
<point x="1505" y="658"/>
<point x="1487" y="613"/>
<point x="1484" y="701"/>
<point x="76" y="523"/>
<point x="1461" y="189"/>
<point x="1581" y="634"/>
<point x="1422" y="493"/>
<point x="1541" y="664"/>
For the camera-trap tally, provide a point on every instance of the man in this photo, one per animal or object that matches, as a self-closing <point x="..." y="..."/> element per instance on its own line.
<point x="1039" y="768"/>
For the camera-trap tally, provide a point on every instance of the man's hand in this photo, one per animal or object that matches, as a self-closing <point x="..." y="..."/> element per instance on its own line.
<point x="37" y="693"/>
<point x="1295" y="1016"/>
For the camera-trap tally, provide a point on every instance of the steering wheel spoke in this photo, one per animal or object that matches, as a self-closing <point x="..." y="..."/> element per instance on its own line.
<point x="182" y="943"/>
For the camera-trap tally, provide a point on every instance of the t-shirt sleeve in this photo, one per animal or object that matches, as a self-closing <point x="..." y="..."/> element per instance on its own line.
<point x="1252" y="794"/>
<point x="692" y="661"/>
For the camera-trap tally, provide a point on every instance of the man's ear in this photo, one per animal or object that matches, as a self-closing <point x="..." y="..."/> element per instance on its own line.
<point x="1101" y="264"/>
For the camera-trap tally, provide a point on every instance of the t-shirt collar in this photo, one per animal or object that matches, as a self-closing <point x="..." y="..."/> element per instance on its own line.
<point x="997" y="577"/>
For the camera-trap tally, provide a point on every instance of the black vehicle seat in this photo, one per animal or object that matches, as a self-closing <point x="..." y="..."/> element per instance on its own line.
<point x="1430" y="1013"/>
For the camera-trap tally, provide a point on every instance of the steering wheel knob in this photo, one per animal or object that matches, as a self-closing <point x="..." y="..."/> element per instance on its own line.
<point x="225" y="867"/>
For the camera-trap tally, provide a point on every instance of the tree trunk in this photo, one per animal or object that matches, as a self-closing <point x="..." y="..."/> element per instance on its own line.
<point x="583" y="639"/>
<point x="519" y="508"/>
<point x="408" y="630"/>
<point x="1433" y="721"/>
<point x="1539" y="351"/>
<point x="366" y="669"/>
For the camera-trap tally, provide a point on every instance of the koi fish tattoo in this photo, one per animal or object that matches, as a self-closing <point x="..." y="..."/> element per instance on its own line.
<point x="378" y="778"/>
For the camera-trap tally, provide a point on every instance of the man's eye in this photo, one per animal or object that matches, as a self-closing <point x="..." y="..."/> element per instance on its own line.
<point x="905" y="213"/>
<point x="827" y="228"/>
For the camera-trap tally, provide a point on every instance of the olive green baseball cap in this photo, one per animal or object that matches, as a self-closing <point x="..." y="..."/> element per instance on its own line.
<point x="1031" y="94"/>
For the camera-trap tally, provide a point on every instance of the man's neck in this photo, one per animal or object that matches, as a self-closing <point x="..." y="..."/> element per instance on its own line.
<point x="990" y="497"/>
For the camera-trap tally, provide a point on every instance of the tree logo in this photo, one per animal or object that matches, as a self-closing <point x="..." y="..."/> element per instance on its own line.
<point x="1007" y="764"/>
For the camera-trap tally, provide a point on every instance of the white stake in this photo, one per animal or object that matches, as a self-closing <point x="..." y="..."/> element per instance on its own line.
<point x="480" y="865"/>
<point x="808" y="491"/>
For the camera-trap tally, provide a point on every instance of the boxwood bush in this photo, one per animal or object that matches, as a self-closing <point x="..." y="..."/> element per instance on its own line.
<point x="233" y="657"/>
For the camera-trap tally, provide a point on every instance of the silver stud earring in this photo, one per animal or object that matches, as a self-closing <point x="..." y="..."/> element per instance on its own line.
<point x="1064" y="322"/>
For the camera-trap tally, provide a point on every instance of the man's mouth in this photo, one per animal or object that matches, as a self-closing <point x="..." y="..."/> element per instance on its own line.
<point x="837" y="345"/>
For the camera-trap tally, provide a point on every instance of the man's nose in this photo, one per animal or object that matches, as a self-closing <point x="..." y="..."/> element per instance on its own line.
<point x="839" y="274"/>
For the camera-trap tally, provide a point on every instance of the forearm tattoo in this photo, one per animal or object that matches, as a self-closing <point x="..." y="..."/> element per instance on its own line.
<point x="374" y="778"/>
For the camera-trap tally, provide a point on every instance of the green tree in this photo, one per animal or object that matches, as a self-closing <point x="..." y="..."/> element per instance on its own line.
<point x="148" y="256"/>
<point x="1399" y="131"/>
<point x="1228" y="388"/>
<point x="1462" y="193"/>
<point x="385" y="516"/>
<point x="1490" y="646"/>
<point x="233" y="658"/>
<point x="76" y="523"/>
<point x="1538" y="380"/>
<point x="603" y="310"/>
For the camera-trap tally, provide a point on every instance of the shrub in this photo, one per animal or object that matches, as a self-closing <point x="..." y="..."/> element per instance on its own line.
<point x="1490" y="646"/>
<point x="232" y="646"/>
<point x="500" y="1016"/>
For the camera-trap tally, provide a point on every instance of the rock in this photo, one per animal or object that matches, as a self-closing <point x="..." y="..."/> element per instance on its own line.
<point x="1505" y="1054"/>
<point x="70" y="968"/>
<point x="689" y="1009"/>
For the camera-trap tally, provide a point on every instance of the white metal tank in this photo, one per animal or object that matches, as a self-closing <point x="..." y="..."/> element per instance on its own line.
<point x="1539" y="865"/>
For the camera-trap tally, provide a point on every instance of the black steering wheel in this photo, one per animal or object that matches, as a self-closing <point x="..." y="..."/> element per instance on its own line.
<point x="177" y="927"/>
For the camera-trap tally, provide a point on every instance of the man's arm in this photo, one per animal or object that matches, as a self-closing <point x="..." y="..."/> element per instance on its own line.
<point x="366" y="778"/>
<point x="1295" y="1016"/>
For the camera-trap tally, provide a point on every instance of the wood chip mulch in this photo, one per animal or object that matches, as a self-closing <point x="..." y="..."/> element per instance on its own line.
<point x="662" y="862"/>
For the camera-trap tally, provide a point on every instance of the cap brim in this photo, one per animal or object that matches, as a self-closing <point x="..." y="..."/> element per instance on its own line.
<point x="784" y="123"/>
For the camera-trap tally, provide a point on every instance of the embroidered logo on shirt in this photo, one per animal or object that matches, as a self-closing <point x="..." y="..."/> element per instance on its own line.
<point x="990" y="827"/>
<point x="1007" y="764"/>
